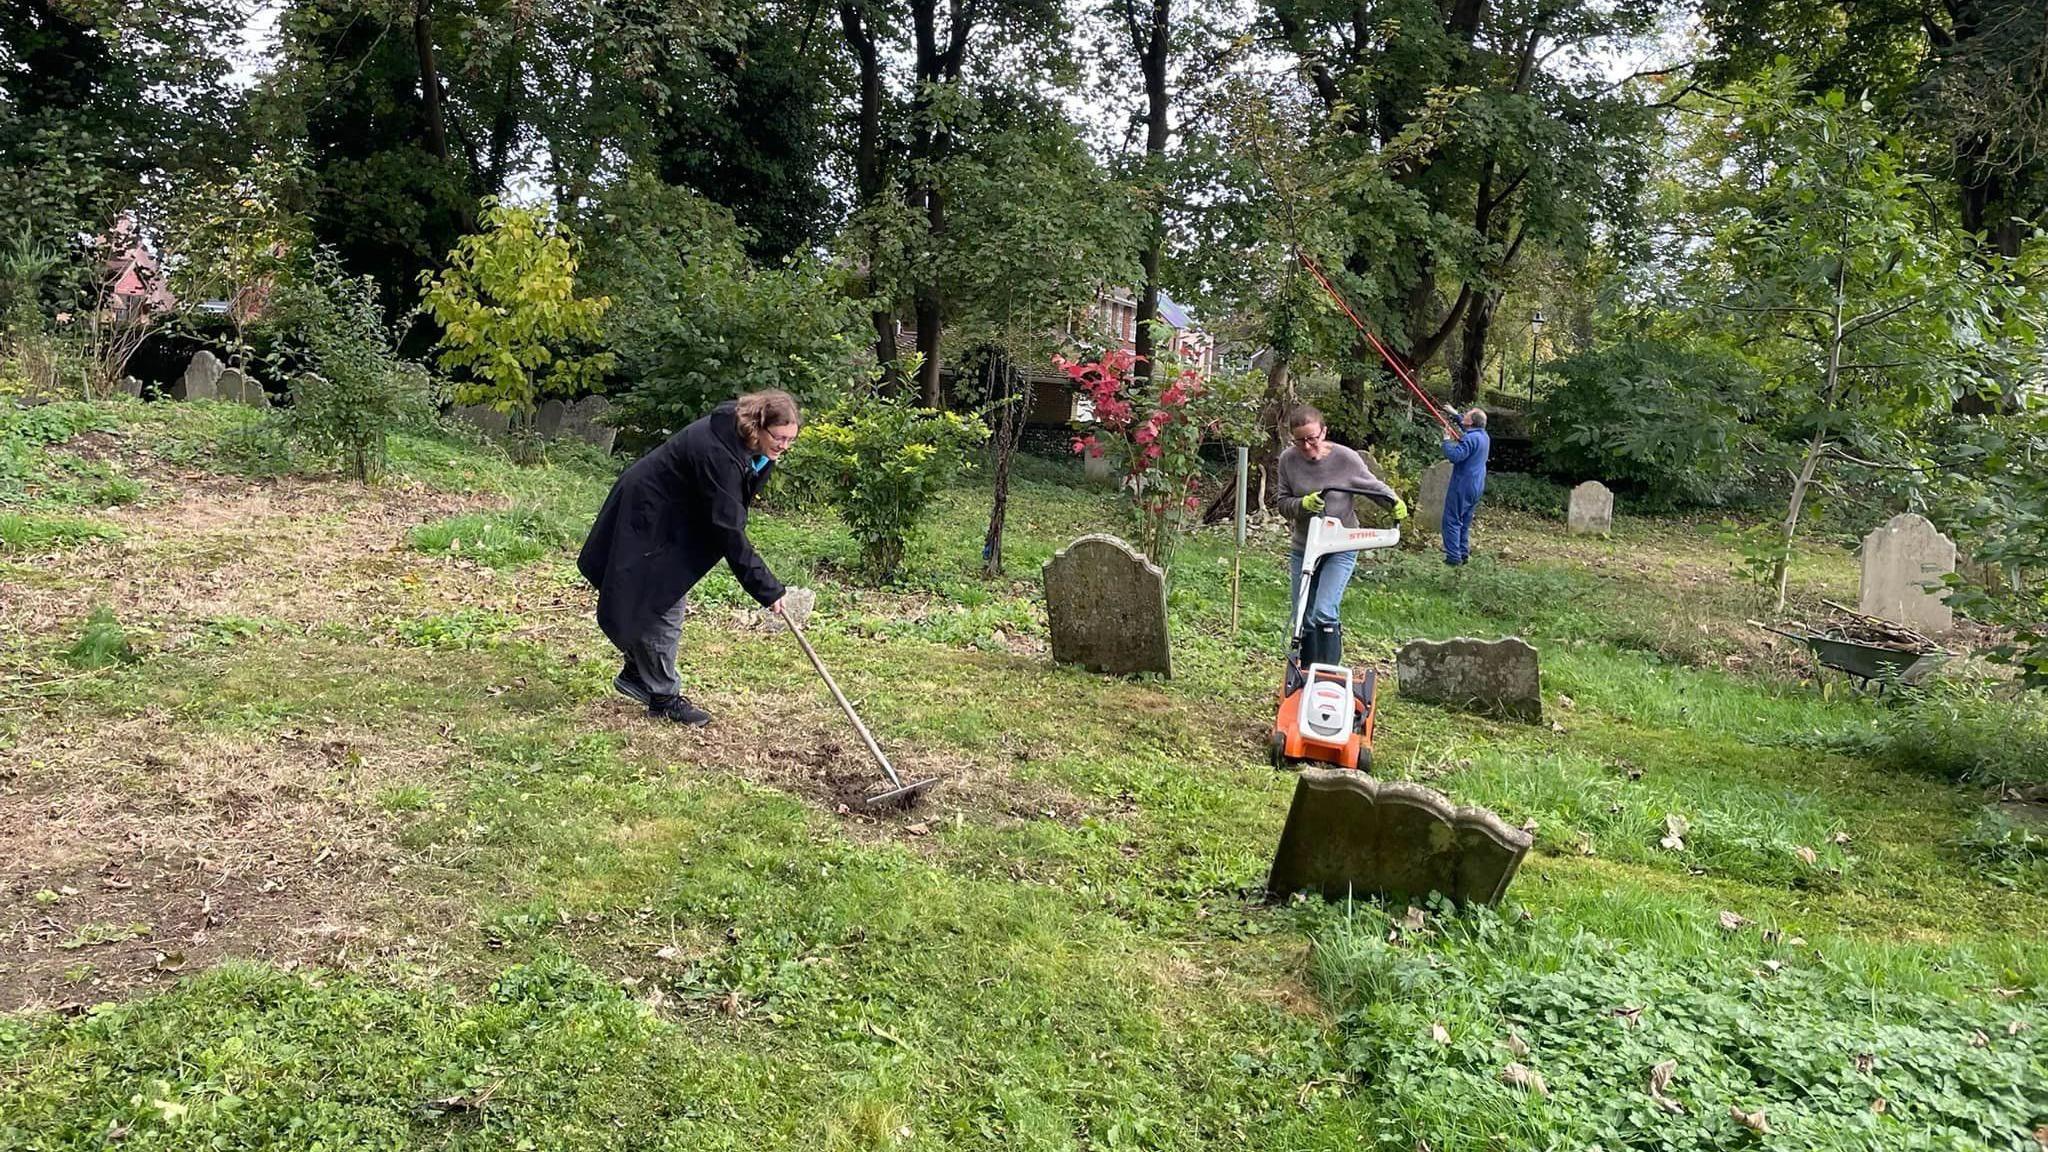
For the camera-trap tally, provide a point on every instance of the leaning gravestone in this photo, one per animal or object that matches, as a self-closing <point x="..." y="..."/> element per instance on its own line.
<point x="1348" y="834"/>
<point x="201" y="377"/>
<point x="547" y="419"/>
<point x="1591" y="511"/>
<point x="1436" y="488"/>
<point x="580" y="422"/>
<point x="492" y="422"/>
<point x="1107" y="607"/>
<point x="235" y="385"/>
<point x="1494" y="678"/>
<point x="131" y="387"/>
<point x="1899" y="557"/>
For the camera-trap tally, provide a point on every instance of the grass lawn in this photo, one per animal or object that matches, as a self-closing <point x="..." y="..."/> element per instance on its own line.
<point x="322" y="828"/>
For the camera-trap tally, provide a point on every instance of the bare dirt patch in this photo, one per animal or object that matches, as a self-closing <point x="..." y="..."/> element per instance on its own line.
<point x="134" y="852"/>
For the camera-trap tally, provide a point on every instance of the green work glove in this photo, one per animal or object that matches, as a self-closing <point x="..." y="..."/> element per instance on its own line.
<point x="1313" y="502"/>
<point x="1400" y="509"/>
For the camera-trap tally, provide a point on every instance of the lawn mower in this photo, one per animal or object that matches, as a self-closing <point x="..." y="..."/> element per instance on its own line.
<point x="1326" y="710"/>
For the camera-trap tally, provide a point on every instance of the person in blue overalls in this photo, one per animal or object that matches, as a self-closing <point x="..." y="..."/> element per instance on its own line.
<point x="1468" y="480"/>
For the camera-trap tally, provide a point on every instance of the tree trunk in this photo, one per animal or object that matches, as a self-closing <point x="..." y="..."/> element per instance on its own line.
<point x="505" y="125"/>
<point x="430" y="79"/>
<point x="1002" y="394"/>
<point x="1819" y="443"/>
<point x="868" y="177"/>
<point x="1468" y="375"/>
<point x="1149" y="44"/>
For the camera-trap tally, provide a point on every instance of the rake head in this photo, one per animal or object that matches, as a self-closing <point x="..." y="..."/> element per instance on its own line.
<point x="901" y="796"/>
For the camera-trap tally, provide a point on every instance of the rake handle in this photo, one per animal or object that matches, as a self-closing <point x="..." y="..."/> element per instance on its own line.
<point x="867" y="737"/>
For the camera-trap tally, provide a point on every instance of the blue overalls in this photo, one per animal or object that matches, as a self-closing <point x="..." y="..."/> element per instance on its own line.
<point x="1468" y="480"/>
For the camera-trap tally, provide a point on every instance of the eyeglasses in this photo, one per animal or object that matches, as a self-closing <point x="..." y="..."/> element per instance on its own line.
<point x="778" y="439"/>
<point x="1314" y="438"/>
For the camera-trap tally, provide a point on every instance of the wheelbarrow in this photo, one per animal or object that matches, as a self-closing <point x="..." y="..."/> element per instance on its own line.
<point x="1866" y="663"/>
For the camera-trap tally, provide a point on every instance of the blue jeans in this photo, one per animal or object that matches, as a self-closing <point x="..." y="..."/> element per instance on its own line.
<point x="1328" y="590"/>
<point x="1459" y="508"/>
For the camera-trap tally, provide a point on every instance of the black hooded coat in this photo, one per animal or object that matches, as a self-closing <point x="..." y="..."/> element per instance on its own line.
<point x="671" y="516"/>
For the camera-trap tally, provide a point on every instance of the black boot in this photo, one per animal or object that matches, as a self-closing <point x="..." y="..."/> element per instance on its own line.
<point x="1323" y="644"/>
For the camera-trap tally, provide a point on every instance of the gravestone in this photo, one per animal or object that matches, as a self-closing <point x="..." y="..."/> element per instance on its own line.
<point x="1591" y="511"/>
<point x="1107" y="607"/>
<point x="236" y="386"/>
<point x="797" y="605"/>
<point x="1899" y="557"/>
<point x="131" y="387"/>
<point x="201" y="377"/>
<point x="492" y="422"/>
<point x="1490" y="677"/>
<point x="547" y="420"/>
<point x="580" y="422"/>
<point x="1097" y="466"/>
<point x="1436" y="488"/>
<point x="1348" y="834"/>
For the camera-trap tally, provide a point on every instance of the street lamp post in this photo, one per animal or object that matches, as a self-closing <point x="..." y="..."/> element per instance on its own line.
<point x="1535" y="328"/>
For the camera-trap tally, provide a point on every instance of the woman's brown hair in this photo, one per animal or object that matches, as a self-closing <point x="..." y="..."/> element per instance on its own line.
<point x="760" y="411"/>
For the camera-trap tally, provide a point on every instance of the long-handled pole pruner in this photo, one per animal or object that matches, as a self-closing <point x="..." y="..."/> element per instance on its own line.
<point x="898" y="794"/>
<point x="1400" y="372"/>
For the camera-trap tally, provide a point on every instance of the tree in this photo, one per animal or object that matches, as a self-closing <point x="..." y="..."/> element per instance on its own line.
<point x="896" y="247"/>
<point x="694" y="321"/>
<point x="1507" y="155"/>
<point x="510" y="316"/>
<point x="1859" y="307"/>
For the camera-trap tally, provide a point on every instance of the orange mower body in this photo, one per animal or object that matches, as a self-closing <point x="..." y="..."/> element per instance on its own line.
<point x="1325" y="716"/>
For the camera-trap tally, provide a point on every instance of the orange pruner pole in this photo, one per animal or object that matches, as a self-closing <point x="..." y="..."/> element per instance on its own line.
<point x="1309" y="263"/>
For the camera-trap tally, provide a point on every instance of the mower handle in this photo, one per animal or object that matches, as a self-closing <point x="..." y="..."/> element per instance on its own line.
<point x="1373" y="496"/>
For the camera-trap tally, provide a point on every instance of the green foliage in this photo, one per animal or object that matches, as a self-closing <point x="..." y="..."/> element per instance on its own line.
<point x="1535" y="495"/>
<point x="1994" y="487"/>
<point x="358" y="390"/>
<point x="696" y="323"/>
<point x="25" y="533"/>
<point x="509" y="313"/>
<point x="102" y="643"/>
<point x="499" y="539"/>
<point x="883" y="460"/>
<point x="2011" y="850"/>
<point x="1759" y="1024"/>
<point x="1656" y="418"/>
<point x="1971" y="733"/>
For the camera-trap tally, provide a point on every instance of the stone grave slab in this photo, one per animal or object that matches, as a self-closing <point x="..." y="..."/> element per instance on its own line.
<point x="1348" y="834"/>
<point x="1107" y="606"/>
<point x="1490" y="677"/>
<point x="1899" y="556"/>
<point x="1591" y="510"/>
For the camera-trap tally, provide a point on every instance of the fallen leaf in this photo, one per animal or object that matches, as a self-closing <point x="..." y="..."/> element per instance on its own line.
<point x="1586" y="848"/>
<point x="2015" y="1027"/>
<point x="1730" y="922"/>
<point x="1865" y="1062"/>
<point x="1517" y="1045"/>
<point x="1414" y="920"/>
<point x="171" y="1110"/>
<point x="1565" y="702"/>
<point x="1628" y="1016"/>
<point x="1751" y="1120"/>
<point x="1526" y="1078"/>
<point x="2041" y="1136"/>
<point x="1557" y="728"/>
<point x="1440" y="1034"/>
<point x="1660" y="1079"/>
<point x="1806" y="855"/>
<point x="1879" y="1106"/>
<point x="1979" y="1040"/>
<point x="1841" y="839"/>
<point x="667" y="952"/>
<point x="1675" y="828"/>
<point x="918" y="829"/>
<point x="1773" y="965"/>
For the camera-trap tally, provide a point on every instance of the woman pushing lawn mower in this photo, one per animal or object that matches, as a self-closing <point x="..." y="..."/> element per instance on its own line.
<point x="670" y="517"/>
<point x="1308" y="468"/>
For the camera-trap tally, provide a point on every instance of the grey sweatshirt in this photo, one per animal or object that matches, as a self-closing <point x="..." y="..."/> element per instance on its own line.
<point x="1339" y="468"/>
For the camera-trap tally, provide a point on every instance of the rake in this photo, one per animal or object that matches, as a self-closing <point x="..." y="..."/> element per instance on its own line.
<point x="898" y="794"/>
